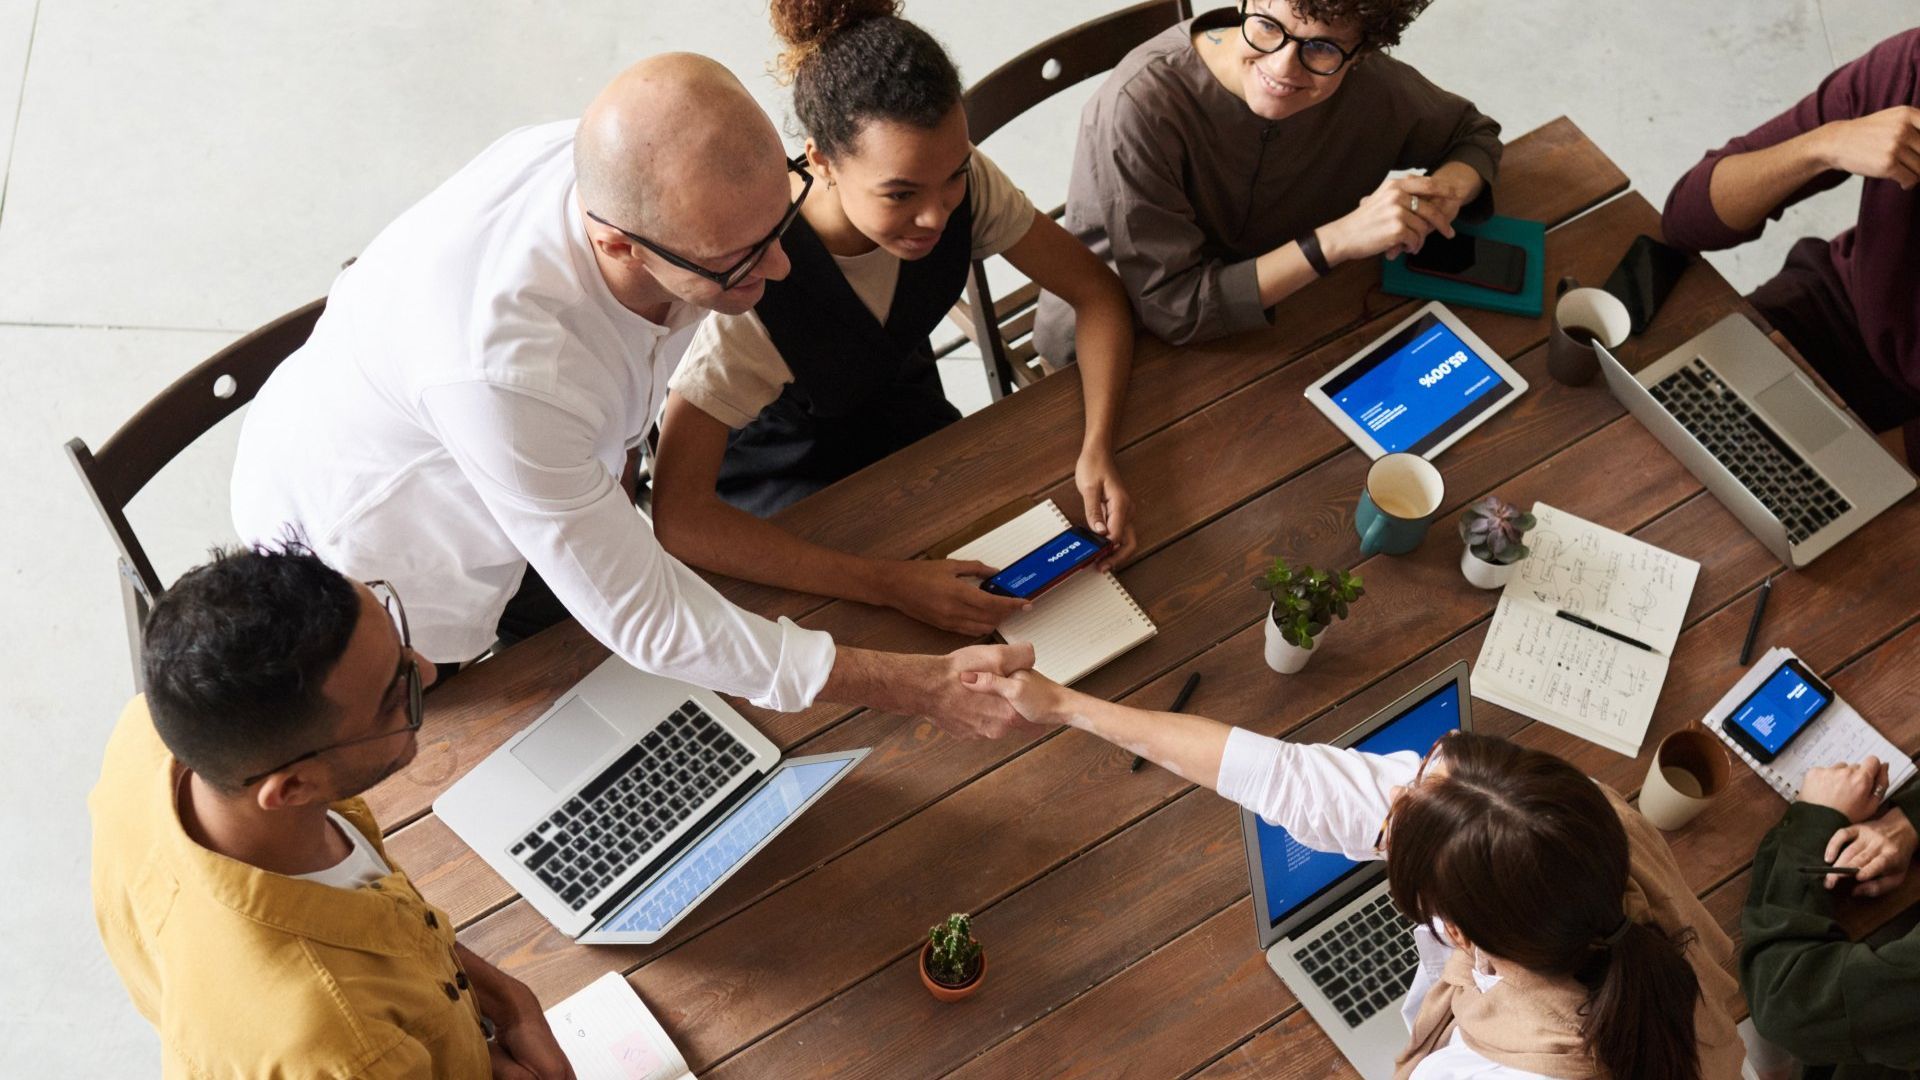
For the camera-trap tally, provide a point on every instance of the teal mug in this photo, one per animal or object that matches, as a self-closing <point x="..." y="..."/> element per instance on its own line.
<point x="1403" y="493"/>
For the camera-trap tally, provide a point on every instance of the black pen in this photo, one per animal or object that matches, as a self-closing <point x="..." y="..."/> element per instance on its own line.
<point x="1598" y="629"/>
<point x="1753" y="624"/>
<point x="1179" y="704"/>
<point x="1841" y="871"/>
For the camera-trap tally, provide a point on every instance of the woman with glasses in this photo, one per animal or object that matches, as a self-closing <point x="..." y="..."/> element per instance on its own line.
<point x="1557" y="934"/>
<point x="833" y="370"/>
<point x="1232" y="159"/>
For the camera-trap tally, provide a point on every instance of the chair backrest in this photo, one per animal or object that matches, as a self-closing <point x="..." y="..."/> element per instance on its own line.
<point x="164" y="427"/>
<point x="1016" y="86"/>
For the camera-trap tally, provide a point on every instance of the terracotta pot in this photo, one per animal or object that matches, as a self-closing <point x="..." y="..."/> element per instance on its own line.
<point x="1282" y="655"/>
<point x="1482" y="574"/>
<point x="941" y="990"/>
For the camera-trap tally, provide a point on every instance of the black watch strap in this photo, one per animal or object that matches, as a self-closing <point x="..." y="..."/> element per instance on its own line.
<point x="1310" y="247"/>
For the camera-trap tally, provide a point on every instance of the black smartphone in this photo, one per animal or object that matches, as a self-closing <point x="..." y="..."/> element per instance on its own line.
<point x="1049" y="564"/>
<point x="1784" y="705"/>
<point x="1474" y="260"/>
<point x="1645" y="277"/>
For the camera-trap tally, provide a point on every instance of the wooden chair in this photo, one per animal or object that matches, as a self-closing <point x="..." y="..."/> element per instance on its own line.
<point x="164" y="427"/>
<point x="1004" y="332"/>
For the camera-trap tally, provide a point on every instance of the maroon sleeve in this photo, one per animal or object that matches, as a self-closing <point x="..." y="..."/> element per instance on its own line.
<point x="1881" y="79"/>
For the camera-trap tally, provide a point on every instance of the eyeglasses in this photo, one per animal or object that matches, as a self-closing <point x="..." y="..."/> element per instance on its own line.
<point x="409" y="670"/>
<point x="1322" y="56"/>
<point x="736" y="273"/>
<point x="1386" y="826"/>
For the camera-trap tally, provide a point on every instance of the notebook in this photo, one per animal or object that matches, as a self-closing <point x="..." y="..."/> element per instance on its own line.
<point x="607" y="1034"/>
<point x="1560" y="673"/>
<point x="1839" y="735"/>
<point x="1081" y="623"/>
<point x="1530" y="301"/>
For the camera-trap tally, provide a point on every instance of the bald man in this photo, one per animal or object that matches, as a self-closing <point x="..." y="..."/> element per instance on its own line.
<point x="459" y="420"/>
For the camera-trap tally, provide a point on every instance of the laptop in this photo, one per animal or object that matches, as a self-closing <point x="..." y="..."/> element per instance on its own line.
<point x="630" y="801"/>
<point x="1329" y="928"/>
<point x="1798" y="472"/>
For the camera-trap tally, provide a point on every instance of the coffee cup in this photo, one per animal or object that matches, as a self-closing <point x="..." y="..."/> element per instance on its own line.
<point x="1403" y="493"/>
<point x="1690" y="768"/>
<point x="1581" y="318"/>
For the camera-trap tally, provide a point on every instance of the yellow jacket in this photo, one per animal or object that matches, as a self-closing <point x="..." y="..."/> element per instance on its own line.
<point x="247" y="973"/>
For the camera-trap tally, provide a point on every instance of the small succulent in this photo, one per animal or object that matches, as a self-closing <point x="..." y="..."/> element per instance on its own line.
<point x="955" y="956"/>
<point x="1493" y="528"/>
<point x="1307" y="601"/>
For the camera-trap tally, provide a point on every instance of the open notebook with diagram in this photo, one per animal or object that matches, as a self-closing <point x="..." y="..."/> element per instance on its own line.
<point x="1556" y="671"/>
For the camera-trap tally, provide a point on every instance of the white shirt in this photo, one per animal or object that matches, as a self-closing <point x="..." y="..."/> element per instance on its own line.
<point x="1330" y="799"/>
<point x="464" y="408"/>
<point x="362" y="866"/>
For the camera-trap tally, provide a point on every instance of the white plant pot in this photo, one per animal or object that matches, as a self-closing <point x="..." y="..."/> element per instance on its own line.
<point x="1284" y="656"/>
<point x="1482" y="574"/>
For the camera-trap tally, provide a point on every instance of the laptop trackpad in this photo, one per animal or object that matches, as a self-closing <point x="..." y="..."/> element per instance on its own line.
<point x="1801" y="414"/>
<point x="566" y="743"/>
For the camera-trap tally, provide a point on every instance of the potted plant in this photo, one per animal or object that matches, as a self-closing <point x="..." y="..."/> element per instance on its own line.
<point x="952" y="964"/>
<point x="1492" y="529"/>
<point x="1305" y="602"/>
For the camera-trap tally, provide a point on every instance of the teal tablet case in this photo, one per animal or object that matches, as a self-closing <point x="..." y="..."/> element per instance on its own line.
<point x="1531" y="236"/>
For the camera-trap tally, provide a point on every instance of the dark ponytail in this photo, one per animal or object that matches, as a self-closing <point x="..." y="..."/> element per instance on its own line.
<point x="1525" y="855"/>
<point x="855" y="61"/>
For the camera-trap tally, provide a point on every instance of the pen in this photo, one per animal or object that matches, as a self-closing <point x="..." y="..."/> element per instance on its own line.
<point x="1753" y="624"/>
<point x="1179" y="704"/>
<point x="1597" y="628"/>
<point x="1842" y="871"/>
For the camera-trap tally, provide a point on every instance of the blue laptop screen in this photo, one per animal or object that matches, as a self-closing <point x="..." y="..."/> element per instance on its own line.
<point x="1296" y="873"/>
<point x="716" y="854"/>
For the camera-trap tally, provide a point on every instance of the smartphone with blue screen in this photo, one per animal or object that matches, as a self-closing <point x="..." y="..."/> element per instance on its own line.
<point x="1786" y="703"/>
<point x="1049" y="564"/>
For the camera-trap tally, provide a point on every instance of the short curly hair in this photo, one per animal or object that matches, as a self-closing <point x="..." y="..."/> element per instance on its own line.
<point x="1380" y="22"/>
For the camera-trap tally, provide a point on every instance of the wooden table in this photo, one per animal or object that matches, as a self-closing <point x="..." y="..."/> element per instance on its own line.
<point x="1113" y="904"/>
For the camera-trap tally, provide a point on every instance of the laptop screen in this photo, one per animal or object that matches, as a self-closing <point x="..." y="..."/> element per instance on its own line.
<point x="703" y="865"/>
<point x="1296" y="874"/>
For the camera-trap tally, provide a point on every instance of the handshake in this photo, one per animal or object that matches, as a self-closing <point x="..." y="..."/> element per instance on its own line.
<point x="981" y="691"/>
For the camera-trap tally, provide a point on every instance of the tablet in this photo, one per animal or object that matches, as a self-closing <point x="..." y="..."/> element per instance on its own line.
<point x="1418" y="387"/>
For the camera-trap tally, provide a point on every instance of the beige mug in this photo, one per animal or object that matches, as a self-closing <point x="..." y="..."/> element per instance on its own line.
<point x="1690" y="768"/>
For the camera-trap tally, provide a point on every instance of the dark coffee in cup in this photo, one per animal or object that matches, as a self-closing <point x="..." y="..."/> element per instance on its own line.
<point x="1581" y="335"/>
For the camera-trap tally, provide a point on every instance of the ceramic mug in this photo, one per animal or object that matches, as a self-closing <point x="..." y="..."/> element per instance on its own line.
<point x="1582" y="317"/>
<point x="1403" y="493"/>
<point x="1690" y="767"/>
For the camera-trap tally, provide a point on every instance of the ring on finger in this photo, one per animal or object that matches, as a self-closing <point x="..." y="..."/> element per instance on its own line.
<point x="1413" y="203"/>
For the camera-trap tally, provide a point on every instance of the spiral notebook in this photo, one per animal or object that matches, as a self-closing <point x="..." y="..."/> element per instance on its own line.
<point x="1839" y="735"/>
<point x="1080" y="624"/>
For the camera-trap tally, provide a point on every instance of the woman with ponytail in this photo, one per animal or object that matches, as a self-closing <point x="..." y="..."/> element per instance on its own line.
<point x="1557" y="935"/>
<point x="833" y="369"/>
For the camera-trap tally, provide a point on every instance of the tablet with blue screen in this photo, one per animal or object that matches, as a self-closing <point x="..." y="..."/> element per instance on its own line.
<point x="1417" y="388"/>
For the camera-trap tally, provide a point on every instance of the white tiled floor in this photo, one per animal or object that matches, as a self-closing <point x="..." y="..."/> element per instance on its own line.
<point x="182" y="171"/>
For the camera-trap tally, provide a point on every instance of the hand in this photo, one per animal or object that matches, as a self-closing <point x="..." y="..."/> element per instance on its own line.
<point x="933" y="686"/>
<point x="1386" y="222"/>
<point x="1109" y="508"/>
<point x="524" y="1047"/>
<point x="1037" y="698"/>
<point x="1881" y="848"/>
<point x="1881" y="146"/>
<point x="939" y="593"/>
<point x="1854" y="790"/>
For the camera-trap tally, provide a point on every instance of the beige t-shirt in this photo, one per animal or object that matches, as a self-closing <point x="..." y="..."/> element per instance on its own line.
<point x="731" y="371"/>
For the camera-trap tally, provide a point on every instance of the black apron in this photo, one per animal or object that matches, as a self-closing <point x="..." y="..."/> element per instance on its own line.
<point x="860" y="390"/>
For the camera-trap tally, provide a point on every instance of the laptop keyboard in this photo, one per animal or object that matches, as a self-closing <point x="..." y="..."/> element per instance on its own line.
<point x="1363" y="963"/>
<point x="619" y="817"/>
<point x="1750" y="449"/>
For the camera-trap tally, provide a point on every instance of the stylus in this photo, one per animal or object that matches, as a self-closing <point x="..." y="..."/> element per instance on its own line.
<point x="1598" y="629"/>
<point x="1179" y="705"/>
<point x="1840" y="871"/>
<point x="1753" y="624"/>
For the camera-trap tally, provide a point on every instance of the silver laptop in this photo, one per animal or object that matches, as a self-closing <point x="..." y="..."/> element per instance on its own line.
<point x="629" y="802"/>
<point x="1326" y="922"/>
<point x="1740" y="415"/>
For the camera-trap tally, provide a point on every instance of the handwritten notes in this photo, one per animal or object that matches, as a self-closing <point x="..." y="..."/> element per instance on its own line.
<point x="1563" y="674"/>
<point x="608" y="1034"/>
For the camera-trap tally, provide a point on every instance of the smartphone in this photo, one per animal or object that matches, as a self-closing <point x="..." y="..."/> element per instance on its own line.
<point x="1645" y="277"/>
<point x="1474" y="260"/>
<point x="1786" y="704"/>
<point x="1049" y="564"/>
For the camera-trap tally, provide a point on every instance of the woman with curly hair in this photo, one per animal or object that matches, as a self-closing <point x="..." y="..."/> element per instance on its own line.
<point x="832" y="369"/>
<point x="1232" y="159"/>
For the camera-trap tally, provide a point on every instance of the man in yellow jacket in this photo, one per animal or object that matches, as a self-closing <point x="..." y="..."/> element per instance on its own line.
<point x="240" y="886"/>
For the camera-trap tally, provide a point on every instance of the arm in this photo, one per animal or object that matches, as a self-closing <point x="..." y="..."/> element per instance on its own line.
<point x="1103" y="341"/>
<point x="695" y="524"/>
<point x="523" y="1042"/>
